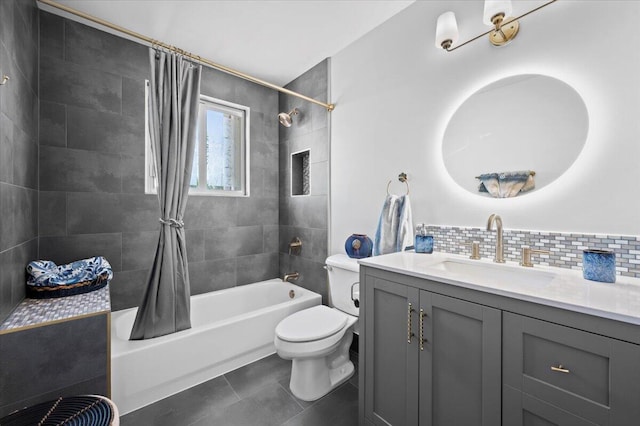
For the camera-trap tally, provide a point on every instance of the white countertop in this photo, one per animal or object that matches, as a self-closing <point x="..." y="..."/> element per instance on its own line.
<point x="557" y="287"/>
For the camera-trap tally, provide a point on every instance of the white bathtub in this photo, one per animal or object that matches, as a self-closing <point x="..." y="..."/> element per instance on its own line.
<point x="230" y="328"/>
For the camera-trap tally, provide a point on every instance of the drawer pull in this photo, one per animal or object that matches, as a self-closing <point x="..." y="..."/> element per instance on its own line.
<point x="560" y="369"/>
<point x="410" y="334"/>
<point x="422" y="339"/>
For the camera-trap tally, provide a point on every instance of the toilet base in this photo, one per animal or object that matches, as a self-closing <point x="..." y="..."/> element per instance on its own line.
<point x="313" y="378"/>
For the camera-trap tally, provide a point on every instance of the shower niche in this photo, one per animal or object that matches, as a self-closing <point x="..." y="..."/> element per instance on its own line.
<point x="300" y="180"/>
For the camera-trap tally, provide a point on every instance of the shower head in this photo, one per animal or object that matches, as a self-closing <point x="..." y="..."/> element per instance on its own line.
<point x="285" y="118"/>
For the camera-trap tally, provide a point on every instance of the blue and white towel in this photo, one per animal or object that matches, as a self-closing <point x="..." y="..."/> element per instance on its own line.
<point x="44" y="273"/>
<point x="506" y="184"/>
<point x="395" y="226"/>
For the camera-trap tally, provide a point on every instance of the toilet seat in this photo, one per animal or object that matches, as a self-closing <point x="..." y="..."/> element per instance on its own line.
<point x="318" y="322"/>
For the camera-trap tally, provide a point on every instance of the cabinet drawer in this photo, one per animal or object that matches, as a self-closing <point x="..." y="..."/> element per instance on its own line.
<point x="568" y="359"/>
<point x="582" y="373"/>
<point x="521" y="409"/>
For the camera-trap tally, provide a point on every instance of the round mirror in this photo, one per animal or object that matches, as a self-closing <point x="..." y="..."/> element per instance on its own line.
<point x="515" y="136"/>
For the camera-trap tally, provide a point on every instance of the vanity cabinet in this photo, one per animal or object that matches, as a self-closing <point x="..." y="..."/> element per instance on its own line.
<point x="556" y="373"/>
<point x="429" y="359"/>
<point x="439" y="354"/>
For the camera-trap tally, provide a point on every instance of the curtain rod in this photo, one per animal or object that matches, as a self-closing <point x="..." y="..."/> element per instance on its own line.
<point x="153" y="43"/>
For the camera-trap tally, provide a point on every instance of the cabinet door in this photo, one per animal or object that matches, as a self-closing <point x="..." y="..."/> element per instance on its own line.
<point x="460" y="365"/>
<point x="391" y="358"/>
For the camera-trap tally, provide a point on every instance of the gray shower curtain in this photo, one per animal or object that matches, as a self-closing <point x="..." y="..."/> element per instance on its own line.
<point x="173" y="113"/>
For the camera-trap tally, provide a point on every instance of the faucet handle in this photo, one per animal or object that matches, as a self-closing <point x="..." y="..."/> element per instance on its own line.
<point x="475" y="249"/>
<point x="526" y="255"/>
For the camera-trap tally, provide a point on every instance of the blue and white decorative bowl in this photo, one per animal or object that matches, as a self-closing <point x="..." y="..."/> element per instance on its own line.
<point x="358" y="246"/>
<point x="599" y="265"/>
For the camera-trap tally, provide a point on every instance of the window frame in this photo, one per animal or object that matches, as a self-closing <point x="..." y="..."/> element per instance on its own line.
<point x="219" y="105"/>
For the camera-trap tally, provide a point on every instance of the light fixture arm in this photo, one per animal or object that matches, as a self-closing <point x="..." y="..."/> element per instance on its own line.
<point x="499" y="25"/>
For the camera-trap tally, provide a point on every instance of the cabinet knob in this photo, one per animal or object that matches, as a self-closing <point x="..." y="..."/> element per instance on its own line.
<point x="560" y="369"/>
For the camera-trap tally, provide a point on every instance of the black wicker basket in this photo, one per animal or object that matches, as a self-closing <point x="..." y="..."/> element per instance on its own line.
<point x="84" y="410"/>
<point x="50" y="292"/>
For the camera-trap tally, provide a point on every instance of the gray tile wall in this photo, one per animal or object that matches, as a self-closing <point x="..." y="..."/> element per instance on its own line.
<point x="92" y="199"/>
<point x="18" y="148"/>
<point x="306" y="216"/>
<point x="565" y="248"/>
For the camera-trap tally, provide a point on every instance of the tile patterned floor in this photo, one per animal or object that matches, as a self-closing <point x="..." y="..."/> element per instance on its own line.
<point x="257" y="394"/>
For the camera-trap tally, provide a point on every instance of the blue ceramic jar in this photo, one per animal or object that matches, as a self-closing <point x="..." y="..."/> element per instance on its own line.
<point x="599" y="265"/>
<point x="358" y="246"/>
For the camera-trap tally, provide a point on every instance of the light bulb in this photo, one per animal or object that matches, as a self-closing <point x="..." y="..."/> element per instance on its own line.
<point x="495" y="7"/>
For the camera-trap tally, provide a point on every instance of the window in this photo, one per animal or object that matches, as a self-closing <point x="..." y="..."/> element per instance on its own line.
<point x="221" y="159"/>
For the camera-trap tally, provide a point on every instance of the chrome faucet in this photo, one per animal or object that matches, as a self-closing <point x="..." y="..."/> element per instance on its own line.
<point x="499" y="245"/>
<point x="290" y="276"/>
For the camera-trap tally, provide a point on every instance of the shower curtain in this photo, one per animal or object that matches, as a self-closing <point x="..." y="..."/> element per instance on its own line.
<point x="173" y="113"/>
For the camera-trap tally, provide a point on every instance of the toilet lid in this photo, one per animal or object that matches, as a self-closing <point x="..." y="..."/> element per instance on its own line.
<point x="311" y="324"/>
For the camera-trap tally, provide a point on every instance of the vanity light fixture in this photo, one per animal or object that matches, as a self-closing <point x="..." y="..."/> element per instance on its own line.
<point x="496" y="13"/>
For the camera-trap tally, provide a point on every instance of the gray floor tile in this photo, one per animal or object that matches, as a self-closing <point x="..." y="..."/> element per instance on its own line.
<point x="254" y="395"/>
<point x="246" y="380"/>
<point x="339" y="408"/>
<point x="304" y="404"/>
<point x="185" y="407"/>
<point x="269" y="406"/>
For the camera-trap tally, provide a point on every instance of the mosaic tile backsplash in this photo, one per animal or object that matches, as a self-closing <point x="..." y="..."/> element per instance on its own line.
<point x="565" y="248"/>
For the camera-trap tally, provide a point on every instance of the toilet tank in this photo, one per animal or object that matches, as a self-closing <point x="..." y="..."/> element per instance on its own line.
<point x="344" y="273"/>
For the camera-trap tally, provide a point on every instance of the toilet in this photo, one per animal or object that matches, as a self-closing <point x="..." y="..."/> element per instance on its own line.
<point x="317" y="339"/>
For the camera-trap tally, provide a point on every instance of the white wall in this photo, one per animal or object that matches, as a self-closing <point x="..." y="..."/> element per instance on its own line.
<point x="395" y="92"/>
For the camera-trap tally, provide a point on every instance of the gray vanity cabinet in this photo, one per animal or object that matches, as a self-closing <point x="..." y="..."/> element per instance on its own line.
<point x="595" y="379"/>
<point x="428" y="359"/>
<point x="437" y="354"/>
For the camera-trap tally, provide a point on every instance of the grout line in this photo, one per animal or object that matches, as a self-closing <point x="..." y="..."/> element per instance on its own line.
<point x="231" y="386"/>
<point x="288" y="392"/>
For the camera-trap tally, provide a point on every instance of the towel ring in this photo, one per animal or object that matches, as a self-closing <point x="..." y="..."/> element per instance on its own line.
<point x="402" y="177"/>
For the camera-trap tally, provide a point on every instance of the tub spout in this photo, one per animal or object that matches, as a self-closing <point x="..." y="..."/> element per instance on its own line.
<point x="291" y="276"/>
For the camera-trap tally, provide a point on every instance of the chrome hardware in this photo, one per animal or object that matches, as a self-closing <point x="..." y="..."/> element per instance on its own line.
<point x="290" y="276"/>
<point x="526" y="255"/>
<point x="422" y="339"/>
<point x="5" y="78"/>
<point x="410" y="334"/>
<point x="499" y="246"/>
<point x="295" y="246"/>
<point x="560" y="369"/>
<point x="475" y="249"/>
<point x="327" y="267"/>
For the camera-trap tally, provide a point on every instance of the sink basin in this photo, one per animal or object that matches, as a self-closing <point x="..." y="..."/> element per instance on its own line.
<point x="494" y="272"/>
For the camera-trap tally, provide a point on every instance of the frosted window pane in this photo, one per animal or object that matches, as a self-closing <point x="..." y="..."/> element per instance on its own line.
<point x="224" y="151"/>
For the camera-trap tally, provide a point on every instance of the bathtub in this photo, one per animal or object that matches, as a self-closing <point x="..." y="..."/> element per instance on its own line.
<point x="230" y="328"/>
